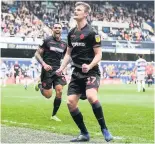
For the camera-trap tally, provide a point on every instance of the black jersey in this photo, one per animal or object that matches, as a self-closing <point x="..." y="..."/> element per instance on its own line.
<point x="53" y="51"/>
<point x="83" y="43"/>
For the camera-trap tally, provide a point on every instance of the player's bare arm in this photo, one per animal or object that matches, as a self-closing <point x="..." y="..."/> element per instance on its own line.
<point x="38" y="56"/>
<point x="65" y="61"/>
<point x="97" y="58"/>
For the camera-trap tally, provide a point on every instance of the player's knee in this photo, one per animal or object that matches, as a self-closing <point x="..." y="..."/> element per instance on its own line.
<point x="47" y="94"/>
<point x="59" y="90"/>
<point x="71" y="104"/>
<point x="91" y="95"/>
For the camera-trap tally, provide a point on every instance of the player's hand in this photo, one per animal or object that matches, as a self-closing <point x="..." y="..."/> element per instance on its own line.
<point x="59" y="72"/>
<point x="47" y="67"/>
<point x="85" y="68"/>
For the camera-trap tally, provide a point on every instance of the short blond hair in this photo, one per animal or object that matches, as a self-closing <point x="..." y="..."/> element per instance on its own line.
<point x="86" y="6"/>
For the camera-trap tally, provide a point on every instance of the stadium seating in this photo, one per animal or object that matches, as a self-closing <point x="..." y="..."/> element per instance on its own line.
<point x="33" y="18"/>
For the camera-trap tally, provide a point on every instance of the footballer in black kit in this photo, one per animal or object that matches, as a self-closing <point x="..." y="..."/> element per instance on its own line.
<point x="82" y="44"/>
<point x="49" y="55"/>
<point x="17" y="71"/>
<point x="84" y="47"/>
<point x="53" y="53"/>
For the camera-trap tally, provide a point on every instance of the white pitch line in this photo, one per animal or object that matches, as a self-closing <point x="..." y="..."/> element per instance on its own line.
<point x="25" y="124"/>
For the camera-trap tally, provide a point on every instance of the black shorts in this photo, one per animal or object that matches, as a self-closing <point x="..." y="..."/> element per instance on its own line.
<point x="80" y="82"/>
<point x="49" y="79"/>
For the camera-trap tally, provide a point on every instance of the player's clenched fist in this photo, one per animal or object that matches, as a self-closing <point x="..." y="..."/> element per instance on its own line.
<point x="59" y="72"/>
<point x="85" y="68"/>
<point x="47" y="67"/>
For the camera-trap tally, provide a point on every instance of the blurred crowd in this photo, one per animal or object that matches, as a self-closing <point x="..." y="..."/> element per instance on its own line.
<point x="19" y="21"/>
<point x="34" y="18"/>
<point x="123" y="71"/>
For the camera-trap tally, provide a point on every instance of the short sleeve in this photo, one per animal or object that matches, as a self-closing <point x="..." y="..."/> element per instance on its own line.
<point x="69" y="41"/>
<point x="65" y="50"/>
<point x="95" y="39"/>
<point x="43" y="45"/>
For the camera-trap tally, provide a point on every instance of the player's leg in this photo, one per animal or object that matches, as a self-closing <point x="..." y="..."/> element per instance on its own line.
<point x="38" y="83"/>
<point x="58" y="84"/>
<point x="17" y="79"/>
<point x="4" y="80"/>
<point x="15" y="75"/>
<point x="143" y="82"/>
<point x="92" y="85"/>
<point x="25" y="82"/>
<point x="151" y="79"/>
<point x="36" y="78"/>
<point x="138" y="83"/>
<point x="72" y="102"/>
<point x="45" y="89"/>
<point x="148" y="80"/>
<point x="45" y="85"/>
<point x="57" y="102"/>
<point x="143" y="85"/>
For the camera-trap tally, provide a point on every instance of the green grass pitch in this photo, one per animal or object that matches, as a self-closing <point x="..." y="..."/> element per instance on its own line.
<point x="129" y="115"/>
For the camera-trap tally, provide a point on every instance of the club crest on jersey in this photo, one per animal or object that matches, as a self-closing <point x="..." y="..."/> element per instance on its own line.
<point x="82" y="36"/>
<point x="97" y="38"/>
<point x="72" y="36"/>
<point x="62" y="45"/>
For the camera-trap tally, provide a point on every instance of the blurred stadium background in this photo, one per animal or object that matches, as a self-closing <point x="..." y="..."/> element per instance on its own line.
<point x="126" y="29"/>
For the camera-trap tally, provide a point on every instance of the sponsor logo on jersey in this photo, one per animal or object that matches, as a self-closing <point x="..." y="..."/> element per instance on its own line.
<point x="52" y="42"/>
<point x="56" y="49"/>
<point x="97" y="38"/>
<point x="72" y="36"/>
<point x="74" y="44"/>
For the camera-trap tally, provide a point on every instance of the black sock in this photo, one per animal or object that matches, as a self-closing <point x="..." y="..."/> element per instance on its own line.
<point x="97" y="109"/>
<point x="78" y="119"/>
<point x="56" y="105"/>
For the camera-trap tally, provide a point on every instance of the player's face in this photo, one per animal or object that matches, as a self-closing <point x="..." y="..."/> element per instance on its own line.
<point x="57" y="29"/>
<point x="79" y="13"/>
